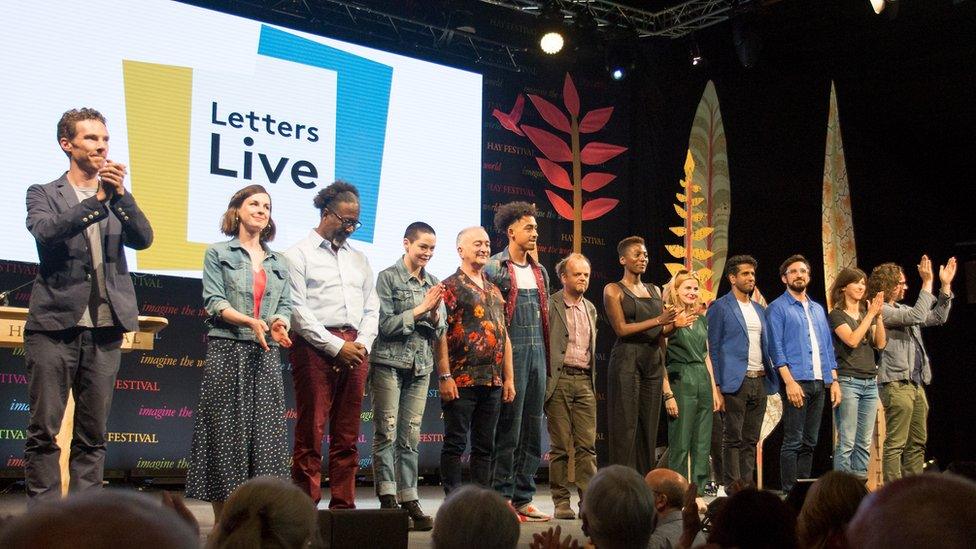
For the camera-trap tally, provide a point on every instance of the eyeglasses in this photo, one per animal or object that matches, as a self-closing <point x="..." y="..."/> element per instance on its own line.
<point x="353" y="224"/>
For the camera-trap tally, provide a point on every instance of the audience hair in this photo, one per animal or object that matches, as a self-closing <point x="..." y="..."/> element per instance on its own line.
<point x="618" y="509"/>
<point x="929" y="510"/>
<point x="829" y="506"/>
<point x="266" y="512"/>
<point x="756" y="519"/>
<point x="473" y="517"/>
<point x="98" y="519"/>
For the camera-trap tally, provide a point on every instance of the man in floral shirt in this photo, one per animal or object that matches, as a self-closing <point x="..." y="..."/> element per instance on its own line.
<point x="474" y="363"/>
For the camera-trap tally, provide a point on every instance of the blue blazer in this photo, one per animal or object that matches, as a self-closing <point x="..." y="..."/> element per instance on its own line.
<point x="728" y="345"/>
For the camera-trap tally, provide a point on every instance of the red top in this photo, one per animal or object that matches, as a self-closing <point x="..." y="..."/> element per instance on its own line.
<point x="260" y="281"/>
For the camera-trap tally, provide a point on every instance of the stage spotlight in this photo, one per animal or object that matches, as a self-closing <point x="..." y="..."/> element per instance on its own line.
<point x="553" y="32"/>
<point x="618" y="73"/>
<point x="695" y="56"/>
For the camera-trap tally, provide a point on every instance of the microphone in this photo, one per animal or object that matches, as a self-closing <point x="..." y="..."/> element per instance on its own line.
<point x="4" y="301"/>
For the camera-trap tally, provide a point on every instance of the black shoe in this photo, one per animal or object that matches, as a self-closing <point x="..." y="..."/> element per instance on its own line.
<point x="388" y="501"/>
<point x="418" y="520"/>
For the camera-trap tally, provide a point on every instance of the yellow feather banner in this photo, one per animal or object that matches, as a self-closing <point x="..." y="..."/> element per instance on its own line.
<point x="836" y="220"/>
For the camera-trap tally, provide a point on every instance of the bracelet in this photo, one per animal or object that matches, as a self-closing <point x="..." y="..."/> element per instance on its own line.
<point x="668" y="396"/>
<point x="444" y="377"/>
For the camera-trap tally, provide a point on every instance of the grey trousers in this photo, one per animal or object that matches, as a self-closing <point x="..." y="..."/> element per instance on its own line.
<point x="634" y="390"/>
<point x="85" y="360"/>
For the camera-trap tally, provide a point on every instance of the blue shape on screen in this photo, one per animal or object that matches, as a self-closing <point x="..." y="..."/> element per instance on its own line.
<point x="362" y="103"/>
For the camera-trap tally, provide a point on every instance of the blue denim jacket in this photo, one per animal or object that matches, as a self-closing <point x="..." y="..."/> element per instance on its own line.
<point x="403" y="342"/>
<point x="228" y="281"/>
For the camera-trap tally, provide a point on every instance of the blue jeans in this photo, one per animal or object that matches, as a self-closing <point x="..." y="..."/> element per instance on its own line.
<point x="475" y="411"/>
<point x="854" y="419"/>
<point x="518" y="437"/>
<point x="399" y="398"/>
<point x="801" y="429"/>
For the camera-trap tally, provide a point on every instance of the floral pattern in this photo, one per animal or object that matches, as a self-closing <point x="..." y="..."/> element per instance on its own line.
<point x="475" y="331"/>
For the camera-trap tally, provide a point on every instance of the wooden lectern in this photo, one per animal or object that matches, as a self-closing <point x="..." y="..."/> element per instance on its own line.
<point x="12" y="320"/>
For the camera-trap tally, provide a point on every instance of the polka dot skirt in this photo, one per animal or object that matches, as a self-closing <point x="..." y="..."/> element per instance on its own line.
<point x="239" y="427"/>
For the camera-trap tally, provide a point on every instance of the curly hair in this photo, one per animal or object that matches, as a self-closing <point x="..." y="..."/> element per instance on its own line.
<point x="230" y="223"/>
<point x="884" y="278"/>
<point x="846" y="276"/>
<point x="512" y="212"/>
<point x="66" y="126"/>
<point x="340" y="191"/>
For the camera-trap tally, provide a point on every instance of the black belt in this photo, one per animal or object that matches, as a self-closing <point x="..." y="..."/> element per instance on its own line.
<point x="576" y="371"/>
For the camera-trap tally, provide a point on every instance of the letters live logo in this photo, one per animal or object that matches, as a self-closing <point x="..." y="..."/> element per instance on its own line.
<point x="159" y="135"/>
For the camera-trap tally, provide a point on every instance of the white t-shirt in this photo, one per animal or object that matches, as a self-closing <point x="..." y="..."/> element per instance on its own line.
<point x="754" y="328"/>
<point x="814" y="345"/>
<point x="524" y="277"/>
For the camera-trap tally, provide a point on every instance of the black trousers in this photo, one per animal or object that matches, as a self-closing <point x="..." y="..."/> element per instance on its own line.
<point x="86" y="361"/>
<point x="475" y="411"/>
<point x="744" y="412"/>
<point x="634" y="391"/>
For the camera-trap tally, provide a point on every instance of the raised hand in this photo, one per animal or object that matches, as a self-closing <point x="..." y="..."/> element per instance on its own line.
<point x="947" y="272"/>
<point x="432" y="298"/>
<point x="874" y="308"/>
<point x="925" y="269"/>
<point x="684" y="319"/>
<point x="667" y="316"/>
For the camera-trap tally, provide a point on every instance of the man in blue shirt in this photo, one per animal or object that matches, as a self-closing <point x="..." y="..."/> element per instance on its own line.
<point x="803" y="353"/>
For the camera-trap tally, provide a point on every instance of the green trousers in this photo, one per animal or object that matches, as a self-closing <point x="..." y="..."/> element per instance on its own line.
<point x="690" y="434"/>
<point x="906" y="411"/>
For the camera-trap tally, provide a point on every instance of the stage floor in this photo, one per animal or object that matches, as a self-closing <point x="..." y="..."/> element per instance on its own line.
<point x="431" y="498"/>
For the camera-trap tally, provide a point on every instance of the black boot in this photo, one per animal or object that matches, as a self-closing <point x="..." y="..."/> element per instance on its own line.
<point x="419" y="521"/>
<point x="388" y="501"/>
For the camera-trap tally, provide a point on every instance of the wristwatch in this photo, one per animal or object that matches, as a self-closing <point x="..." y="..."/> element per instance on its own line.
<point x="444" y="377"/>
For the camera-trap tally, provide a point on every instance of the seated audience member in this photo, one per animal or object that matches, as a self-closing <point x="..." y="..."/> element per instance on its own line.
<point x="99" y="519"/>
<point x="829" y="506"/>
<point x="618" y="509"/>
<point x="474" y="518"/>
<point x="267" y="512"/>
<point x="917" y="511"/>
<point x="756" y="519"/>
<point x="668" y="489"/>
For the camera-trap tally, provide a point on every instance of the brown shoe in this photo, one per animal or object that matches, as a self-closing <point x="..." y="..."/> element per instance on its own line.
<point x="563" y="512"/>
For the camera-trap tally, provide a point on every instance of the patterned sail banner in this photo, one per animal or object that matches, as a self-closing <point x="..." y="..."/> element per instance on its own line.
<point x="706" y="199"/>
<point x="838" y="226"/>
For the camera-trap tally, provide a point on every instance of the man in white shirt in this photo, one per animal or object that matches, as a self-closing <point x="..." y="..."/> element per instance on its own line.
<point x="335" y="312"/>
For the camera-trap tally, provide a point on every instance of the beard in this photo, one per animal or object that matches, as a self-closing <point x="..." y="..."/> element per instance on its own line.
<point x="798" y="285"/>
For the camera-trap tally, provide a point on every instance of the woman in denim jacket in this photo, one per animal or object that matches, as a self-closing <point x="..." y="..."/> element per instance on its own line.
<point x="239" y="427"/>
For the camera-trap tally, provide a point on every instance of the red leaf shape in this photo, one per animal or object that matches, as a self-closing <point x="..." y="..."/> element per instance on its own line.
<point x="551" y="113"/>
<point x="597" y="207"/>
<point x="562" y="207"/>
<point x="506" y="122"/>
<point x="594" y="120"/>
<point x="516" y="113"/>
<point x="596" y="180"/>
<point x="570" y="96"/>
<point x="598" y="153"/>
<point x="552" y="146"/>
<point x="555" y="173"/>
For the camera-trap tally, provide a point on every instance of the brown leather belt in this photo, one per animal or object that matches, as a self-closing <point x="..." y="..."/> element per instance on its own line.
<point x="755" y="373"/>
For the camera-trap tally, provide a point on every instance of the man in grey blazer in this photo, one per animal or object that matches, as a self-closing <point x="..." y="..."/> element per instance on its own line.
<point x="570" y="403"/>
<point x="81" y="303"/>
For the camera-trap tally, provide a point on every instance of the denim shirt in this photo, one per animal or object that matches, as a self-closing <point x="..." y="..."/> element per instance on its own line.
<point x="789" y="338"/>
<point x="404" y="342"/>
<point x="228" y="281"/>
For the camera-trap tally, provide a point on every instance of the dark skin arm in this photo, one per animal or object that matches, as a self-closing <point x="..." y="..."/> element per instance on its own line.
<point x="613" y="305"/>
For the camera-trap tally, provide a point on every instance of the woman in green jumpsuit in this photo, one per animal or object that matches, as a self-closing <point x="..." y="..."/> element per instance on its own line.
<point x="689" y="388"/>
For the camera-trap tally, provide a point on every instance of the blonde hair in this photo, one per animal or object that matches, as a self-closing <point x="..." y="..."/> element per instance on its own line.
<point x="672" y="298"/>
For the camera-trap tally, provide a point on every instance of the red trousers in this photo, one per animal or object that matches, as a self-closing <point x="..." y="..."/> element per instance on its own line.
<point x="325" y="393"/>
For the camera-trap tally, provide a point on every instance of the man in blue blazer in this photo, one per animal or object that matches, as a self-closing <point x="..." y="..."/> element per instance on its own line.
<point x="81" y="303"/>
<point x="738" y="346"/>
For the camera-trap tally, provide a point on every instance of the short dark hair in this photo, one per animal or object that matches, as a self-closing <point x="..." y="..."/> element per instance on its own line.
<point x="66" y="126"/>
<point x="229" y="222"/>
<point x="561" y="266"/>
<point x="339" y="191"/>
<point x="791" y="260"/>
<point x="627" y="243"/>
<point x="732" y="265"/>
<point x="414" y="229"/>
<point x="512" y="212"/>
